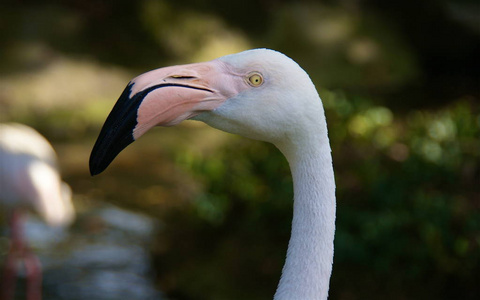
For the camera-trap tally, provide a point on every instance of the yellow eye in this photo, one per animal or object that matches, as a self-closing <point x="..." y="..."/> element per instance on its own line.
<point x="255" y="79"/>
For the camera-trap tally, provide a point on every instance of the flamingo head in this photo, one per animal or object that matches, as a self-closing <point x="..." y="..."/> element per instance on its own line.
<point x="260" y="94"/>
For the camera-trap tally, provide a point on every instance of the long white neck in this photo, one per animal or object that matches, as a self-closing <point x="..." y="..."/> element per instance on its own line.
<point x="308" y="266"/>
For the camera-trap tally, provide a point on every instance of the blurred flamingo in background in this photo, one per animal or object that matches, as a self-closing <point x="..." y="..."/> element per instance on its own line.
<point x="29" y="179"/>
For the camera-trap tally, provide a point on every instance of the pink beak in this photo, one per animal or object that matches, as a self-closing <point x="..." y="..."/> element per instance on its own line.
<point x="164" y="97"/>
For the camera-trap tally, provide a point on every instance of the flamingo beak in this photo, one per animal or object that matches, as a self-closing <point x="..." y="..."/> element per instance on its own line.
<point x="162" y="97"/>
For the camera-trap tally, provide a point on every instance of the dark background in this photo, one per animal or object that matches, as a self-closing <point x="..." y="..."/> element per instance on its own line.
<point x="400" y="84"/>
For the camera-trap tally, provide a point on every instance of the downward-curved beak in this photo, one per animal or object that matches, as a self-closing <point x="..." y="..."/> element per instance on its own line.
<point x="163" y="97"/>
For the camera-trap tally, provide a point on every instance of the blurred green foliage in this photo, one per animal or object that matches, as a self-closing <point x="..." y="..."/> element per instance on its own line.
<point x="400" y="85"/>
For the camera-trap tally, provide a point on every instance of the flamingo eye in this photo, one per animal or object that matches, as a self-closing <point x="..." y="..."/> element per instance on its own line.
<point x="255" y="79"/>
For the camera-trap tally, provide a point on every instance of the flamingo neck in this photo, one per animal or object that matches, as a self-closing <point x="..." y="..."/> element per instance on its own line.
<point x="308" y="266"/>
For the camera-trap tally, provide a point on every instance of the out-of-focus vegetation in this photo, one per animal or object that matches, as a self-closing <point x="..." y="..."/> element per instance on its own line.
<point x="400" y="84"/>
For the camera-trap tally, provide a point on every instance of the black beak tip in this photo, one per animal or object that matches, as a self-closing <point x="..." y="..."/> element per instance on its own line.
<point x="117" y="132"/>
<point x="107" y="147"/>
<point x="95" y="169"/>
<point x="97" y="161"/>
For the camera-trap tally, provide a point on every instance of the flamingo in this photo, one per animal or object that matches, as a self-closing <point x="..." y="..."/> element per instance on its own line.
<point x="260" y="94"/>
<point x="29" y="179"/>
